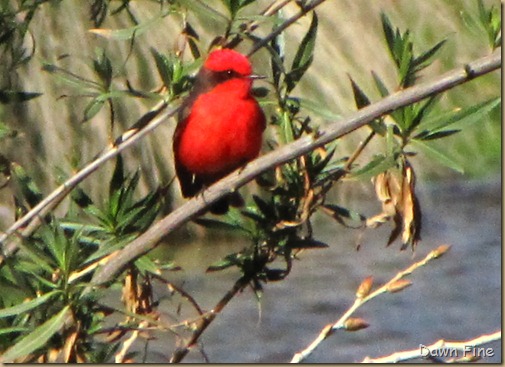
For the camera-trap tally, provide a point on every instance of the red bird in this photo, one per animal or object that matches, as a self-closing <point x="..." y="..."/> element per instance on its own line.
<point x="220" y="126"/>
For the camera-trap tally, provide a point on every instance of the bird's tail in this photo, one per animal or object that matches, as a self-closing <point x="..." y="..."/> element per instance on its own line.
<point x="221" y="206"/>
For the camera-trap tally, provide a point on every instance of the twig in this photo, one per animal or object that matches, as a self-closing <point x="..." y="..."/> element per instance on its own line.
<point x="303" y="11"/>
<point x="31" y="220"/>
<point x="205" y="321"/>
<point x="121" y="355"/>
<point x="181" y="291"/>
<point x="363" y="295"/>
<point x="451" y="348"/>
<point x="149" y="240"/>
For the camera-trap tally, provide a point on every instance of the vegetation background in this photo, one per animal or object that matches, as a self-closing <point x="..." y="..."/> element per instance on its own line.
<point x="52" y="134"/>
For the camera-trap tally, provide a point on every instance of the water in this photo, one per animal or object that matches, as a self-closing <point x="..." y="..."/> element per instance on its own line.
<point x="457" y="297"/>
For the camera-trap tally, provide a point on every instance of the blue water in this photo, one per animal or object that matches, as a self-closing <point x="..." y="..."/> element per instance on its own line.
<point x="457" y="297"/>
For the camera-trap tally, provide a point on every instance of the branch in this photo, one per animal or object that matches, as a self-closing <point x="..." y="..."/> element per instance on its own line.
<point x="303" y="11"/>
<point x="363" y="295"/>
<point x="31" y="220"/>
<point x="149" y="240"/>
<point x="468" y="349"/>
<point x="206" y="320"/>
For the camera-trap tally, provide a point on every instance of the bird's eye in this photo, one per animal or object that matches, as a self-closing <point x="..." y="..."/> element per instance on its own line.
<point x="229" y="72"/>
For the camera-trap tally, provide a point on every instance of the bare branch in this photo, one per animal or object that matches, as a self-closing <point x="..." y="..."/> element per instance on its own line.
<point x="336" y="130"/>
<point x="467" y="348"/>
<point x="204" y="322"/>
<point x="363" y="297"/>
<point x="303" y="11"/>
<point x="31" y="220"/>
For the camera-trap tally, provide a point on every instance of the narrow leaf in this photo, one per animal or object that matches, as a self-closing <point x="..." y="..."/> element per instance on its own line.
<point x="304" y="56"/>
<point x="37" y="338"/>
<point x="439" y="156"/>
<point x="360" y="98"/>
<point x="12" y="96"/>
<point x="438" y="134"/>
<point x="470" y="114"/>
<point x="418" y="61"/>
<point x="379" y="164"/>
<point x="26" y="306"/>
<point x="93" y="108"/>
<point x="29" y="188"/>
<point x="319" y="109"/>
<point x="381" y="87"/>
<point x="215" y="224"/>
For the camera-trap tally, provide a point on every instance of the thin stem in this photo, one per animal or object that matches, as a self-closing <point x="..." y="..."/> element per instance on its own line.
<point x="204" y="322"/>
<point x="329" y="329"/>
<point x="305" y="10"/>
<point x="31" y="220"/>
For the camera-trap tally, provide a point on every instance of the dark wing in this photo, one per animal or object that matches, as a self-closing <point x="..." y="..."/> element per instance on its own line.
<point x="190" y="185"/>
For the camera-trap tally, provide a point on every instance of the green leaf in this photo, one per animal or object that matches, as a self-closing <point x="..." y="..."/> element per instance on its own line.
<point x="164" y="67"/>
<point x="277" y="54"/>
<point x="215" y="224"/>
<point x="304" y="55"/>
<point x="146" y="265"/>
<point x="117" y="180"/>
<point x="381" y="87"/>
<point x="378" y="164"/>
<point x="80" y="197"/>
<point x="93" y="108"/>
<point x="103" y="68"/>
<point x="420" y="61"/>
<point x="203" y="10"/>
<point x="28" y="187"/>
<point x="27" y="305"/>
<point x="16" y="329"/>
<point x="438" y="156"/>
<point x="420" y="113"/>
<point x="70" y="79"/>
<point x="469" y="114"/>
<point x="319" y="109"/>
<point x="234" y="6"/>
<point x="438" y="134"/>
<point x="12" y="96"/>
<point x="266" y="209"/>
<point x="129" y="33"/>
<point x="228" y="261"/>
<point x="360" y="98"/>
<point x="389" y="34"/>
<point x="38" y="338"/>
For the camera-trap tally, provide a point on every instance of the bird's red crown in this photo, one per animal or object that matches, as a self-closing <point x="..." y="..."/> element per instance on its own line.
<point x="227" y="59"/>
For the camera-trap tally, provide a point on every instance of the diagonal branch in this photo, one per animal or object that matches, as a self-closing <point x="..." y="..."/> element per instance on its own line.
<point x="206" y="320"/>
<point x="395" y="284"/>
<point x="31" y="220"/>
<point x="150" y="239"/>
<point x="27" y="224"/>
<point x="303" y="11"/>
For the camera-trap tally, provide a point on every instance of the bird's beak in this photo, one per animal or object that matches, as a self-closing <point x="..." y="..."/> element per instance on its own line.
<point x="255" y="76"/>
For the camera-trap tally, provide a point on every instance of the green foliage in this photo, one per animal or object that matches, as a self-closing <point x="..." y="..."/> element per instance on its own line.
<point x="491" y="22"/>
<point x="44" y="308"/>
<point x="46" y="280"/>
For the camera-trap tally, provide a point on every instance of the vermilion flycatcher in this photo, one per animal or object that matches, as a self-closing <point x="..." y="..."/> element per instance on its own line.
<point x="220" y="126"/>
